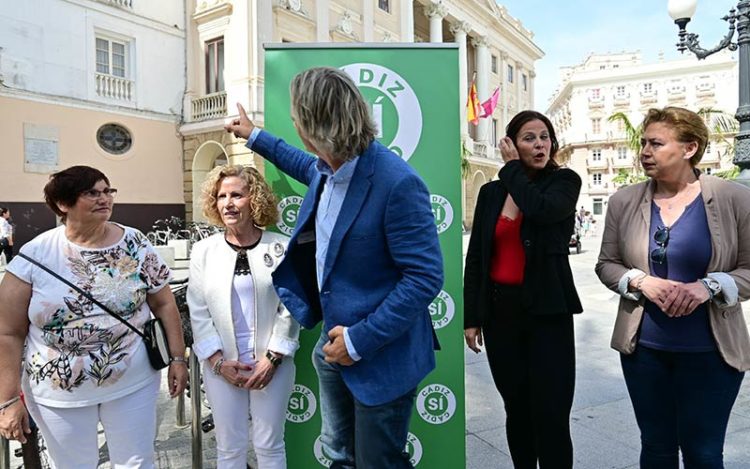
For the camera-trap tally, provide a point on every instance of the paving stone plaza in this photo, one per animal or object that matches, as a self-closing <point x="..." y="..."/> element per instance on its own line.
<point x="605" y="435"/>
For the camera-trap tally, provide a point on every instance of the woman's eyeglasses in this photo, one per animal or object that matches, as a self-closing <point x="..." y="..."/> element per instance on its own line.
<point x="94" y="194"/>
<point x="661" y="236"/>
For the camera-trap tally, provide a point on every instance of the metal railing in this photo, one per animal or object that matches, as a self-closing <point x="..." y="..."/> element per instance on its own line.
<point x="209" y="106"/>
<point x="4" y="453"/>
<point x="119" y="3"/>
<point x="113" y="87"/>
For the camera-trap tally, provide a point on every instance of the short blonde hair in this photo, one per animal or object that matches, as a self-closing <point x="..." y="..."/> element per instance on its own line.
<point x="331" y="113"/>
<point x="686" y="124"/>
<point x="262" y="200"/>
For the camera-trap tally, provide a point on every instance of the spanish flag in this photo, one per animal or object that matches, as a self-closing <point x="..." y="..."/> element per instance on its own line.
<point x="472" y="105"/>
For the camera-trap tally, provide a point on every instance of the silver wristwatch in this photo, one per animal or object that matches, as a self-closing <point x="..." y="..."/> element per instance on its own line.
<point x="712" y="285"/>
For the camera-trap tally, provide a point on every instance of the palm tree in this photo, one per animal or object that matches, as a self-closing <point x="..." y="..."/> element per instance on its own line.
<point x="465" y="154"/>
<point x="722" y="127"/>
<point x="633" y="142"/>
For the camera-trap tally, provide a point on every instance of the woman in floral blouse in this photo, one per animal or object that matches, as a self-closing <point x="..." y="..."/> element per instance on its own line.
<point x="81" y="366"/>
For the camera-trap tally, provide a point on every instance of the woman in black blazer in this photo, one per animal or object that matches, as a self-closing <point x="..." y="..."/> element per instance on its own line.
<point x="519" y="295"/>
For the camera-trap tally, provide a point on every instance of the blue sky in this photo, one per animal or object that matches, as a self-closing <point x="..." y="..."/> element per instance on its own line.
<point x="568" y="30"/>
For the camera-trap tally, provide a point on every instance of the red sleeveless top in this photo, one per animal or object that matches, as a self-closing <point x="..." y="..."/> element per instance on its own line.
<point x="508" y="257"/>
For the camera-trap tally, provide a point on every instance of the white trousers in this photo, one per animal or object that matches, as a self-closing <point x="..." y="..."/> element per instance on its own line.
<point x="231" y="407"/>
<point x="129" y="426"/>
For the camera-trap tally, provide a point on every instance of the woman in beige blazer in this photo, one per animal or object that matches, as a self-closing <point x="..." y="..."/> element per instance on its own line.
<point x="677" y="250"/>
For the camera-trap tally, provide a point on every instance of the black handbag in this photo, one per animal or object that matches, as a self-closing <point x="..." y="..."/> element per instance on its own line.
<point x="154" y="336"/>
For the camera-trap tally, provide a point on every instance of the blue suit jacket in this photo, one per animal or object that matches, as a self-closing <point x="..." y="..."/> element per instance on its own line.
<point x="383" y="268"/>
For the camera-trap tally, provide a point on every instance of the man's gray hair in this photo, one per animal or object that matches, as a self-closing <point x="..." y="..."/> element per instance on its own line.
<point x="331" y="113"/>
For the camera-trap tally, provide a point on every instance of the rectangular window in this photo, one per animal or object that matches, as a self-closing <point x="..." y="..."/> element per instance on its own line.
<point x="708" y="148"/>
<point x="525" y="81"/>
<point x="620" y="91"/>
<point x="215" y="65"/>
<point x="494" y="64"/>
<point x="493" y="135"/>
<point x="510" y="73"/>
<point x="648" y="87"/>
<point x="385" y="5"/>
<point x="622" y="153"/>
<point x="596" y="154"/>
<point x="598" y="207"/>
<point x="596" y="179"/>
<point x="111" y="57"/>
<point x="595" y="93"/>
<point x="708" y="170"/>
<point x="596" y="125"/>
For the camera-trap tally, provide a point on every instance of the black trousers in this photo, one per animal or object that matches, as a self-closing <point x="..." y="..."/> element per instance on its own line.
<point x="532" y="359"/>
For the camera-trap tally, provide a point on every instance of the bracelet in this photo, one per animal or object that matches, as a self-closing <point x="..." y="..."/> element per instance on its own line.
<point x="217" y="366"/>
<point x="178" y="360"/>
<point x="9" y="403"/>
<point x="275" y="361"/>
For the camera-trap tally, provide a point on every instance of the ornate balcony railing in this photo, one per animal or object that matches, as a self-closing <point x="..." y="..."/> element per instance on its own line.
<point x="704" y="90"/>
<point x="113" y="87"/>
<point x="480" y="150"/>
<point x="622" y="100"/>
<point x="600" y="188"/>
<point x="119" y="3"/>
<point x="596" y="163"/>
<point x="210" y="106"/>
<point x="596" y="102"/>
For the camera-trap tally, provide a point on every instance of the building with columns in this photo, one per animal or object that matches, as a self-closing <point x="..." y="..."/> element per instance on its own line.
<point x="605" y="84"/>
<point x="492" y="44"/>
<point x="97" y="83"/>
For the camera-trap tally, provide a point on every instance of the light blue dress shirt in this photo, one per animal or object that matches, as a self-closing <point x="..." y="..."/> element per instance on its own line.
<point x="331" y="199"/>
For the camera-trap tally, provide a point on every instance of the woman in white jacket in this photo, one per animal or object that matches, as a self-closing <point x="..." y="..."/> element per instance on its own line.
<point x="242" y="333"/>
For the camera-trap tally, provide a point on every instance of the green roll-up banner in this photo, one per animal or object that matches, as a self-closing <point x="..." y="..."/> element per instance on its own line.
<point x="413" y="92"/>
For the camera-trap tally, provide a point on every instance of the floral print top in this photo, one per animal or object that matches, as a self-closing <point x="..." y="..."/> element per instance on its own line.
<point x="77" y="354"/>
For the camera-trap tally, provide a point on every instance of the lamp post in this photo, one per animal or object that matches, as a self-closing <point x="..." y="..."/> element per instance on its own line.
<point x="739" y="19"/>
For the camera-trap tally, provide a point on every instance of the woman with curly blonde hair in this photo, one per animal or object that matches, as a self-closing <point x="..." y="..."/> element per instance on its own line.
<point x="243" y="334"/>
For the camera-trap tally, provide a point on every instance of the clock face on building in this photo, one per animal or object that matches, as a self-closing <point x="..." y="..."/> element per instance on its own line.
<point x="114" y="139"/>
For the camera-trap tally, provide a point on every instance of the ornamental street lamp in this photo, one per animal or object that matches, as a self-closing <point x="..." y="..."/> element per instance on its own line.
<point x="681" y="11"/>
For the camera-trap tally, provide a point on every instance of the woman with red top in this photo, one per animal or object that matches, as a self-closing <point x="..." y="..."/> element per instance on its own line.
<point x="519" y="295"/>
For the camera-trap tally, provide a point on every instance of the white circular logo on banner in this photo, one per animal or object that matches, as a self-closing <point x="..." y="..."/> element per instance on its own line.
<point x="413" y="448"/>
<point x="436" y="404"/>
<point x="442" y="310"/>
<point x="320" y="455"/>
<point x="288" y="211"/>
<point x="443" y="212"/>
<point x="302" y="404"/>
<point x="392" y="87"/>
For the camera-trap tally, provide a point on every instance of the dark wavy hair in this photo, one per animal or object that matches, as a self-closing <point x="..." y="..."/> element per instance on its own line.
<point x="64" y="187"/>
<point x="523" y="117"/>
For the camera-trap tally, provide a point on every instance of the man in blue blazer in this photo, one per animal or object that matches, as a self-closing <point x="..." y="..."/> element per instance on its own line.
<point x="365" y="259"/>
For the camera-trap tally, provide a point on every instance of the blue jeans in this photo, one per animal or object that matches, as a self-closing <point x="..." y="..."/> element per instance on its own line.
<point x="682" y="401"/>
<point x="355" y="435"/>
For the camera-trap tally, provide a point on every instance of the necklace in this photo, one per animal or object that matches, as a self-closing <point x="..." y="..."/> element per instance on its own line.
<point x="241" y="265"/>
<point x="677" y="199"/>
